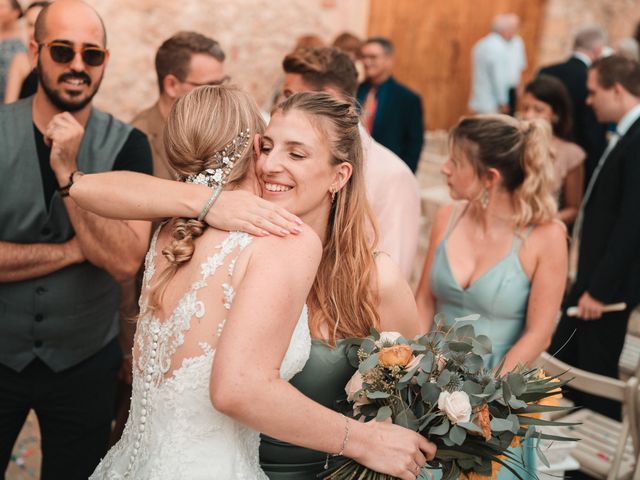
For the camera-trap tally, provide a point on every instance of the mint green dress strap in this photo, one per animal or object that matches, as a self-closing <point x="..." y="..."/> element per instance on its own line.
<point x="454" y="218"/>
<point x="322" y="379"/>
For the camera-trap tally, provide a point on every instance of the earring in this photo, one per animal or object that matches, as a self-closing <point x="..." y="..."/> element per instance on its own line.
<point x="332" y="190"/>
<point x="484" y="199"/>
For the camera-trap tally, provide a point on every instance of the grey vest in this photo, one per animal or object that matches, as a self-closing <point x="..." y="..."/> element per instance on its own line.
<point x="66" y="316"/>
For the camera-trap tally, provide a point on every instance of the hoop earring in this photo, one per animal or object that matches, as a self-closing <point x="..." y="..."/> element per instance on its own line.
<point x="484" y="199"/>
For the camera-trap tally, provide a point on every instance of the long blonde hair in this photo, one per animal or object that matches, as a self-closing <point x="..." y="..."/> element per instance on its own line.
<point x="343" y="295"/>
<point x="520" y="151"/>
<point x="200" y="124"/>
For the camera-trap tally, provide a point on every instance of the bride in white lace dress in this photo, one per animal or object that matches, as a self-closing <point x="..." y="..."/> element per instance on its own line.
<point x="240" y="299"/>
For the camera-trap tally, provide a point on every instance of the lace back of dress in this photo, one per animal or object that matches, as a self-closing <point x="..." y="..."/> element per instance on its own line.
<point x="193" y="310"/>
<point x="173" y="431"/>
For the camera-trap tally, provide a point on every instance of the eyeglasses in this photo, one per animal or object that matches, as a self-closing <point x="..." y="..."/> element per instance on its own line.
<point x="224" y="80"/>
<point x="64" y="53"/>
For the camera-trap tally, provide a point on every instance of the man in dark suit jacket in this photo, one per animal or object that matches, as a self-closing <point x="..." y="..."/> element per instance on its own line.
<point x="392" y="112"/>
<point x="607" y="233"/>
<point x="587" y="131"/>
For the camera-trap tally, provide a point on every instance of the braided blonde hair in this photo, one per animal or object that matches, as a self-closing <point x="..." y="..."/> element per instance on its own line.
<point x="200" y="125"/>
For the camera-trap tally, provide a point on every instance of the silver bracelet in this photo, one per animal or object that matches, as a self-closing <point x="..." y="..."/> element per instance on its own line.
<point x="214" y="195"/>
<point x="344" y="443"/>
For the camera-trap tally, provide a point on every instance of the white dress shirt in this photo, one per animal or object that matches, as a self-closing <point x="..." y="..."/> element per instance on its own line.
<point x="490" y="75"/>
<point x="583" y="57"/>
<point x="516" y="60"/>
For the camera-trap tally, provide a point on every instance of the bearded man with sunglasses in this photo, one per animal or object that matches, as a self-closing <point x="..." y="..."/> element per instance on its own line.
<point x="60" y="265"/>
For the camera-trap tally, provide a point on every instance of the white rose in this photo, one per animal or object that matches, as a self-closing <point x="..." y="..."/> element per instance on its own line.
<point x="387" y="338"/>
<point x="456" y="405"/>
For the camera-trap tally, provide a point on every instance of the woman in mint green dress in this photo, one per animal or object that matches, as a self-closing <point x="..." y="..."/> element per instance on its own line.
<point x="498" y="251"/>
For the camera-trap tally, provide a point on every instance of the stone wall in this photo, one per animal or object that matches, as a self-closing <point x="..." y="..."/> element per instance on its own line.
<point x="255" y="34"/>
<point x="564" y="17"/>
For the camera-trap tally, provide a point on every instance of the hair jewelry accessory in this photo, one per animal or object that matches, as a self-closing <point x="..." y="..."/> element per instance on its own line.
<point x="226" y="159"/>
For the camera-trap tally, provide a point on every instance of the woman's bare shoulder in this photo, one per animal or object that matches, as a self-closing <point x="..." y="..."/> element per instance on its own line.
<point x="304" y="245"/>
<point x="550" y="230"/>
<point x="388" y="274"/>
<point x="548" y="237"/>
<point x="442" y="219"/>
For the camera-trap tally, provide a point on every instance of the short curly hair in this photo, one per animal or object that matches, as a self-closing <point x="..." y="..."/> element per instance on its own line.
<point x="323" y="67"/>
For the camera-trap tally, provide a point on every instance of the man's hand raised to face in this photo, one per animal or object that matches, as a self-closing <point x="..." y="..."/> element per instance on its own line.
<point x="64" y="134"/>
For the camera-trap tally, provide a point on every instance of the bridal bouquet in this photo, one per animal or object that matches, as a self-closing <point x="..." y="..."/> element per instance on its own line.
<point x="438" y="385"/>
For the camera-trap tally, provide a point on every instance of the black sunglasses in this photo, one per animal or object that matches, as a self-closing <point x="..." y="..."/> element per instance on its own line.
<point x="64" y="53"/>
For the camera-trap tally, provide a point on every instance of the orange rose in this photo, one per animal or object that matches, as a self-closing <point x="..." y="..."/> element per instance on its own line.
<point x="399" y="355"/>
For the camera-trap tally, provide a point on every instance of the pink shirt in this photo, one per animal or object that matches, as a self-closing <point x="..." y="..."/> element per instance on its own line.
<point x="394" y="196"/>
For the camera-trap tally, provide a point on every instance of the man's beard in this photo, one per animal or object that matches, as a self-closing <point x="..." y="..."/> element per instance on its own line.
<point x="57" y="100"/>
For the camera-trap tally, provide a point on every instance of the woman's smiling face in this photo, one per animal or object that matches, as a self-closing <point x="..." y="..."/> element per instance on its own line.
<point x="295" y="167"/>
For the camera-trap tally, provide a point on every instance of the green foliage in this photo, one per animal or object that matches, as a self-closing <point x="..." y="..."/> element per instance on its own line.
<point x="451" y="369"/>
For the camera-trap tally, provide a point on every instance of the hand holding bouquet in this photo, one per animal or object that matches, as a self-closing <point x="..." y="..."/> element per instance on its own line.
<point x="438" y="385"/>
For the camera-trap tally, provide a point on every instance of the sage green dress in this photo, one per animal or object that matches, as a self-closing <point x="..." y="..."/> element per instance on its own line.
<point x="322" y="379"/>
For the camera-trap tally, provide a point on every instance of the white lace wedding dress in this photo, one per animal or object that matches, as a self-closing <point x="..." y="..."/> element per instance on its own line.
<point x="173" y="432"/>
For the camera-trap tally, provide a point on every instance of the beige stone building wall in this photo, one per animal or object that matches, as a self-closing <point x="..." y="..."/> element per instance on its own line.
<point x="255" y="35"/>
<point x="564" y="17"/>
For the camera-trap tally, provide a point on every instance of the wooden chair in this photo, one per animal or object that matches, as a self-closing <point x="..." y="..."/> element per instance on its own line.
<point x="607" y="449"/>
<point x="630" y="357"/>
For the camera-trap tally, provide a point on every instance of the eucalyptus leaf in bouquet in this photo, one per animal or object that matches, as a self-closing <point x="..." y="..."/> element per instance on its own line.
<point x="438" y="385"/>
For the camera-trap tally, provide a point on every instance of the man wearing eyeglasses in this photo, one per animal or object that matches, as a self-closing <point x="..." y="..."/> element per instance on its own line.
<point x="183" y="62"/>
<point x="60" y="265"/>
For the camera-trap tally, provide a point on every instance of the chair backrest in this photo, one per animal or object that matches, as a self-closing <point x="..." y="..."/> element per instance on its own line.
<point x="606" y="387"/>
